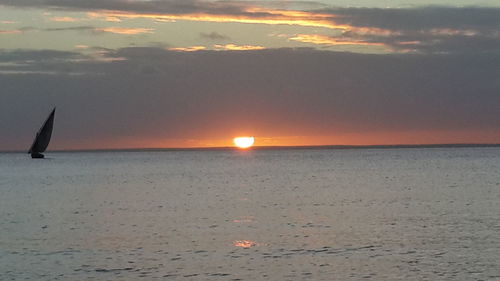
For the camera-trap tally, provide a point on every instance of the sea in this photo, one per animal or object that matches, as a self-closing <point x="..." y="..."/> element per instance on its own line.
<point x="258" y="214"/>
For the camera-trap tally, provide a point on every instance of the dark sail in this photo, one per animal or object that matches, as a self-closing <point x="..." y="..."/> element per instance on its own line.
<point x="42" y="138"/>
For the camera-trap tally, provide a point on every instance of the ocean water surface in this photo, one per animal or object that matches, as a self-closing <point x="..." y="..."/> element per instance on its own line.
<point x="290" y="214"/>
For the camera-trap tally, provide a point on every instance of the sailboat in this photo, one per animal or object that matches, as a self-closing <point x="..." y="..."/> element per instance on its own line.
<point x="42" y="138"/>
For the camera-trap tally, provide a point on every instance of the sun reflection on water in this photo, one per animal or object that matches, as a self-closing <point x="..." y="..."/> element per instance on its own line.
<point x="244" y="243"/>
<point x="245" y="219"/>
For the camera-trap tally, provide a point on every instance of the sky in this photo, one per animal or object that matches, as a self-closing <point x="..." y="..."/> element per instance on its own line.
<point x="196" y="73"/>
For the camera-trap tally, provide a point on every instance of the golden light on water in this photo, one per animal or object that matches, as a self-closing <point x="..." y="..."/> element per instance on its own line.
<point x="243" y="142"/>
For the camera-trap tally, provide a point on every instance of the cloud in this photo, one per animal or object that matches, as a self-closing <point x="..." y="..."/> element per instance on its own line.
<point x="151" y="96"/>
<point x="437" y="29"/>
<point x="417" y="19"/>
<point x="81" y="46"/>
<point x="431" y="29"/>
<point x="233" y="47"/>
<point x="174" y="7"/>
<point x="11" y="31"/>
<point x="331" y="41"/>
<point x="252" y="15"/>
<point x="113" y="19"/>
<point x="289" y="5"/>
<point x="69" y="28"/>
<point x="188" y="49"/>
<point x="124" y="30"/>
<point x="390" y="19"/>
<point x="92" y="29"/>
<point x="63" y="19"/>
<point x="193" y="10"/>
<point x="36" y="57"/>
<point x="214" y="36"/>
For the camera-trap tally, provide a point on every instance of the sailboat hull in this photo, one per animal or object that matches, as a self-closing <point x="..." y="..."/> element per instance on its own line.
<point x="37" y="155"/>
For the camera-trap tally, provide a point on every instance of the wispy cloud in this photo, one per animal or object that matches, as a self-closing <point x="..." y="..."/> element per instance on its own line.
<point x="188" y="49"/>
<point x="124" y="30"/>
<point x="113" y="19"/>
<point x="37" y="57"/>
<point x="437" y="29"/>
<point x="424" y="30"/>
<point x="86" y="28"/>
<point x="226" y="47"/>
<point x="69" y="28"/>
<point x="193" y="10"/>
<point x="251" y="15"/>
<point x="82" y="46"/>
<point x="11" y="31"/>
<point x="63" y="19"/>
<point x="214" y="36"/>
<point x="234" y="47"/>
<point x="331" y="41"/>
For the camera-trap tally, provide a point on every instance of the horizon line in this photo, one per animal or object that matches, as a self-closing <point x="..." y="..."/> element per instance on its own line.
<point x="277" y="147"/>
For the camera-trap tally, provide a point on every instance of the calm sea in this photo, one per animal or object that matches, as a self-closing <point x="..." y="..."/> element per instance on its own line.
<point x="310" y="214"/>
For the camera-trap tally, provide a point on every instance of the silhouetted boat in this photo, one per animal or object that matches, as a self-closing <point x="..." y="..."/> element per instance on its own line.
<point x="42" y="138"/>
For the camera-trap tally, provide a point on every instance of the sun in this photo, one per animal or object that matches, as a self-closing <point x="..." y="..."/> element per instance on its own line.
<point x="243" y="142"/>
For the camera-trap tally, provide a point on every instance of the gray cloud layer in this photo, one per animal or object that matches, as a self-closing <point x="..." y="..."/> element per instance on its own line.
<point x="417" y="19"/>
<point x="154" y="93"/>
<point x="419" y="30"/>
<point x="154" y="6"/>
<point x="431" y="29"/>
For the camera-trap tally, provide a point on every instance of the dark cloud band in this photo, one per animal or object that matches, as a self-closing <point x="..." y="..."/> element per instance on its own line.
<point x="158" y="94"/>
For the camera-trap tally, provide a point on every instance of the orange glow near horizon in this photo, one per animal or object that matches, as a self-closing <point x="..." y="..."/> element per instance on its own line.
<point x="372" y="138"/>
<point x="244" y="142"/>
